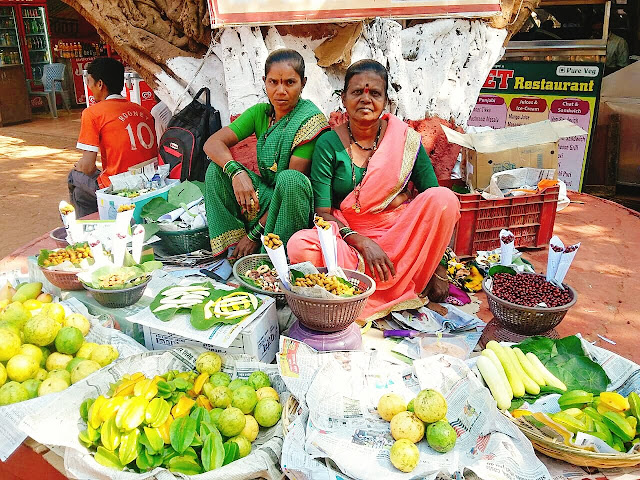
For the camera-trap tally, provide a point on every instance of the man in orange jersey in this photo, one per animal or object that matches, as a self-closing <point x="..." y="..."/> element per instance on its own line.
<point x="123" y="132"/>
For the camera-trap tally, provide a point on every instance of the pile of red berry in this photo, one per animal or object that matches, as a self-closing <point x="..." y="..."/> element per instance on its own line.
<point x="528" y="290"/>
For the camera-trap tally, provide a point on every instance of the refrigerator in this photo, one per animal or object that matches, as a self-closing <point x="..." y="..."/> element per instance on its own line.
<point x="30" y="26"/>
<point x="10" y="48"/>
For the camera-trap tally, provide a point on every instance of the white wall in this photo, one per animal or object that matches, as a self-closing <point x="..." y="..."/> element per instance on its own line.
<point x="435" y="68"/>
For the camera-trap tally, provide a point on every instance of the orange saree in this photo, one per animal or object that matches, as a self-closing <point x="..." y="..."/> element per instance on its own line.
<point x="414" y="235"/>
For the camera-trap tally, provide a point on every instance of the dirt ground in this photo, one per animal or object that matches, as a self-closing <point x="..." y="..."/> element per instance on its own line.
<point x="35" y="159"/>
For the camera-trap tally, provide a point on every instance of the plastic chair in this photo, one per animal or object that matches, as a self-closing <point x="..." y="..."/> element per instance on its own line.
<point x="52" y="78"/>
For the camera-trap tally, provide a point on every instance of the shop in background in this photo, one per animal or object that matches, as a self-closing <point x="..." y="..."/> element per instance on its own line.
<point x="24" y="36"/>
<point x="552" y="69"/>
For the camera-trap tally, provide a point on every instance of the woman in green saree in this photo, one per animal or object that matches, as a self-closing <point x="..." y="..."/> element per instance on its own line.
<point x="242" y="205"/>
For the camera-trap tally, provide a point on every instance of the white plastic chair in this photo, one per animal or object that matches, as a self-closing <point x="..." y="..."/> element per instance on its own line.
<point x="52" y="78"/>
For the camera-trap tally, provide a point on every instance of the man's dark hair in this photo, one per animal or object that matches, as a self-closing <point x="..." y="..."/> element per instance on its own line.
<point x="285" y="55"/>
<point x="110" y="71"/>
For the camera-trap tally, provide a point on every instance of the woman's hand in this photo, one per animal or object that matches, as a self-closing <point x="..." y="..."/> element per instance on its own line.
<point x="245" y="193"/>
<point x="245" y="247"/>
<point x="379" y="264"/>
<point x="437" y="290"/>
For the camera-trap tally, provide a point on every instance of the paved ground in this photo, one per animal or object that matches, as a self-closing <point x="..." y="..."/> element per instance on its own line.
<point x="35" y="158"/>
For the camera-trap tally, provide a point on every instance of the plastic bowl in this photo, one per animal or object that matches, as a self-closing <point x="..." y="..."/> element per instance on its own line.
<point x="118" y="298"/>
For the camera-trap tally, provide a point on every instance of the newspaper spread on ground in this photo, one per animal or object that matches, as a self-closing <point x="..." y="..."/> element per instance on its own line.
<point x="220" y="335"/>
<point x="61" y="424"/>
<point x="339" y="392"/>
<point x="11" y="435"/>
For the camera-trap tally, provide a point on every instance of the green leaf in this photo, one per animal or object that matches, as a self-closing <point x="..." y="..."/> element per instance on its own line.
<point x="150" y="229"/>
<point x="500" y="269"/>
<point x="579" y="372"/>
<point x="182" y="433"/>
<point x="155" y="208"/>
<point x="565" y="358"/>
<point x="296" y="274"/>
<point x="185" y="192"/>
<point x="213" y="452"/>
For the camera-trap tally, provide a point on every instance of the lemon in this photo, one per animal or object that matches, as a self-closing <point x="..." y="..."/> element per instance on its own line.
<point x="9" y="344"/>
<point x="58" y="361"/>
<point x="13" y="392"/>
<point x="267" y="392"/>
<point x="69" y="340"/>
<point x="84" y="369"/>
<point x="251" y="428"/>
<point x="41" y="330"/>
<point x="52" y="385"/>
<point x="32" y="351"/>
<point x="53" y="310"/>
<point x="389" y="405"/>
<point x="32" y="304"/>
<point x="63" y="374"/>
<point x="3" y="374"/>
<point x="32" y="386"/>
<point x="104" y="354"/>
<point x="86" y="349"/>
<point x="22" y="367"/>
<point x="79" y="321"/>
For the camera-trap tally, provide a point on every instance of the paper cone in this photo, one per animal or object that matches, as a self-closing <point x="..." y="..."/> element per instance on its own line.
<point x="329" y="246"/>
<point x="565" y="262"/>
<point x="556" y="249"/>
<point x="278" y="258"/>
<point x="507" y="247"/>
<point x="137" y="240"/>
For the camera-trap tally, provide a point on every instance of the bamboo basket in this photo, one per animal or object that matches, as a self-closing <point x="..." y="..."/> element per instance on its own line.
<point x="574" y="455"/>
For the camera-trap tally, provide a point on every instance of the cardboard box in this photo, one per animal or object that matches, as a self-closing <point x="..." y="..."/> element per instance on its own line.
<point x="259" y="339"/>
<point x="108" y="204"/>
<point x="534" y="145"/>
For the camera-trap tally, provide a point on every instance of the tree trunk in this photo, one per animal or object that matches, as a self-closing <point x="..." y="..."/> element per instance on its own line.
<point x="148" y="33"/>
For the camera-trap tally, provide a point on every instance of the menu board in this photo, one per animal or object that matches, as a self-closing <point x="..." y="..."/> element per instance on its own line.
<point x="518" y="93"/>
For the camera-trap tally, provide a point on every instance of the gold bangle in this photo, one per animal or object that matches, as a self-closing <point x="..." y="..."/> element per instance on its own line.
<point x="440" y="278"/>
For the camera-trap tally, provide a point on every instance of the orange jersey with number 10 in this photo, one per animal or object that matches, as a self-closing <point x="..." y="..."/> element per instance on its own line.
<point x="122" y="131"/>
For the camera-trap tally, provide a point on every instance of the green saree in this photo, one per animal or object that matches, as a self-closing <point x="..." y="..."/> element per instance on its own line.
<point x="286" y="194"/>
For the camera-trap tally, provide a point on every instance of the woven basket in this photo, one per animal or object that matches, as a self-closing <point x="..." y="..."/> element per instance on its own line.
<point x="249" y="263"/>
<point x="289" y="413"/>
<point x="574" y="455"/>
<point x="63" y="280"/>
<point x="185" y="241"/>
<point x="335" y="314"/>
<point x="527" y="320"/>
<point x="119" y="298"/>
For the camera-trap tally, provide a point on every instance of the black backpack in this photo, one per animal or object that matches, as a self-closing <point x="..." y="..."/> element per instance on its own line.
<point x="181" y="145"/>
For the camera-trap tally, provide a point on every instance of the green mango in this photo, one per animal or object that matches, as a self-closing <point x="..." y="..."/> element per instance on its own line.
<point x="27" y="291"/>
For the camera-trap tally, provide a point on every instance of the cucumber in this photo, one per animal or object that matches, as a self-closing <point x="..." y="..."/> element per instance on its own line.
<point x="549" y="377"/>
<point x="495" y="383"/>
<point x="490" y="354"/>
<point x="529" y="385"/>
<point x="517" y="387"/>
<point x="529" y="368"/>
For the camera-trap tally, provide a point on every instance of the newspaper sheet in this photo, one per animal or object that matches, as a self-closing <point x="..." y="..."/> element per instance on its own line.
<point x="61" y="423"/>
<point x="219" y="335"/>
<point x="339" y="392"/>
<point x="11" y="435"/>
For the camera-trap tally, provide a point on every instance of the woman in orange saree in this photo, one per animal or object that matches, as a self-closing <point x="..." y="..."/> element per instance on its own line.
<point x="359" y="174"/>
